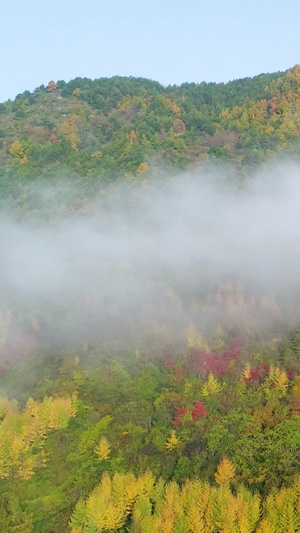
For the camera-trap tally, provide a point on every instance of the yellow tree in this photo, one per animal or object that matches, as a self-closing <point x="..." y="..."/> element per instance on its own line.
<point x="211" y="387"/>
<point x="19" y="152"/>
<point x="97" y="154"/>
<point x="22" y="435"/>
<point x="132" y="136"/>
<point x="172" y="441"/>
<point x="103" y="449"/>
<point x="70" y="131"/>
<point x="142" y="168"/>
<point x="247" y="371"/>
<point x="225" y="472"/>
<point x="279" y="379"/>
<point x="195" y="340"/>
<point x="266" y="527"/>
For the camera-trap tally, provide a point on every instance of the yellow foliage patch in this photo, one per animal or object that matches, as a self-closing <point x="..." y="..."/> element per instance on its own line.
<point x="97" y="154"/>
<point x="142" y="168"/>
<point x="69" y="131"/>
<point x="225" y="472"/>
<point x="103" y="449"/>
<point x="172" y="441"/>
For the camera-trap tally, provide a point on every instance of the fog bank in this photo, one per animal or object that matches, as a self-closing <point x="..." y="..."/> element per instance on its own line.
<point x="192" y="249"/>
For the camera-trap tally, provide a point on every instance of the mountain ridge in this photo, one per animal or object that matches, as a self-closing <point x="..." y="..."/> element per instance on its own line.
<point x="111" y="128"/>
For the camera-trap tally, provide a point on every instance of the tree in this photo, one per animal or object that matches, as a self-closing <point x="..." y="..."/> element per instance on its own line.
<point x="225" y="472"/>
<point x="142" y="168"/>
<point x="103" y="449"/>
<point x="172" y="441"/>
<point x="199" y="410"/>
<point x="69" y="129"/>
<point x="211" y="386"/>
<point x="180" y="412"/>
<point x="51" y="86"/>
<point x="19" y="151"/>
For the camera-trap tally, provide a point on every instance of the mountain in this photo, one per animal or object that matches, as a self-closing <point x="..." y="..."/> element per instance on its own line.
<point x="149" y="327"/>
<point x="106" y="129"/>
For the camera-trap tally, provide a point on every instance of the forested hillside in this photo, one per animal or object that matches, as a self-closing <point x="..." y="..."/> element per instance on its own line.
<point x="222" y="425"/>
<point x="149" y="314"/>
<point x="110" y="128"/>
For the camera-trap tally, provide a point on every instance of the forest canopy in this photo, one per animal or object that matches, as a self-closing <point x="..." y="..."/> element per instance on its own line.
<point x="109" y="128"/>
<point x="149" y="314"/>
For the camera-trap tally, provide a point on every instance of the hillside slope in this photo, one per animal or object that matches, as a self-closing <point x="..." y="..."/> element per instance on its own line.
<point x="149" y="331"/>
<point x="111" y="128"/>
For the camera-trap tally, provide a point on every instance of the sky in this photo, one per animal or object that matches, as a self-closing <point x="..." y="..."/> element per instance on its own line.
<point x="169" y="41"/>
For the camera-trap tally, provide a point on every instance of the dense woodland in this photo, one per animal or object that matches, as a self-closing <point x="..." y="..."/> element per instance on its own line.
<point x="161" y="427"/>
<point x="110" y="129"/>
<point x="195" y="437"/>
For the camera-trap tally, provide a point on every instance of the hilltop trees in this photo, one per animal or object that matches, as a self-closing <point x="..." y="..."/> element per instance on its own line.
<point x="137" y="125"/>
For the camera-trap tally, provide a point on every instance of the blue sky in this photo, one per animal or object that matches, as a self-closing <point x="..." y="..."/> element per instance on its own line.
<point x="169" y="41"/>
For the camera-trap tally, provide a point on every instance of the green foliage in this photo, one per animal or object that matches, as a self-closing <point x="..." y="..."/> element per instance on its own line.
<point x="123" y="417"/>
<point x="133" y="121"/>
<point x="219" y="152"/>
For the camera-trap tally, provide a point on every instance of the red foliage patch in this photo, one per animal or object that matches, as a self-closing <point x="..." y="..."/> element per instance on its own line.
<point x="199" y="410"/>
<point x="170" y="362"/>
<point x="233" y="352"/>
<point x="257" y="374"/>
<point x="215" y="364"/>
<point x="196" y="360"/>
<point x="180" y="412"/>
<point x="202" y="363"/>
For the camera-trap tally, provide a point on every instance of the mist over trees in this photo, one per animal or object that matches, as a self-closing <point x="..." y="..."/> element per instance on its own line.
<point x="149" y="313"/>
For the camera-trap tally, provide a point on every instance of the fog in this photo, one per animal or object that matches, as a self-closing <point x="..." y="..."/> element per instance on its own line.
<point x="199" y="248"/>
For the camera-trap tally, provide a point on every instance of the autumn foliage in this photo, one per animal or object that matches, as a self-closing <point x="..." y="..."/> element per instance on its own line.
<point x="147" y="504"/>
<point x="179" y="430"/>
<point x="134" y="120"/>
<point x="216" y="364"/>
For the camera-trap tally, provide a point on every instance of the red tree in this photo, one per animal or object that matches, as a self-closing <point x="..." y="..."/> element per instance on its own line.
<point x="180" y="412"/>
<point x="199" y="410"/>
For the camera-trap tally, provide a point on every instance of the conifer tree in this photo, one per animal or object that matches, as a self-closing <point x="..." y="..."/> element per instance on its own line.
<point x="225" y="472"/>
